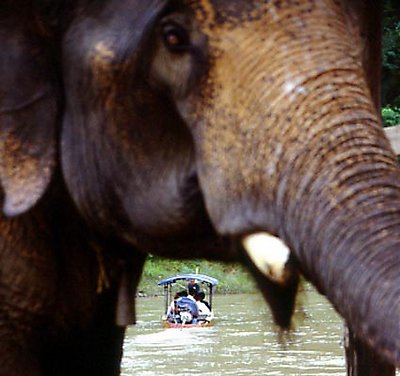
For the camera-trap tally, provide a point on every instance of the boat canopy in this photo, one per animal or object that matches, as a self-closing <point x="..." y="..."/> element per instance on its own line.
<point x="188" y="277"/>
<point x="199" y="278"/>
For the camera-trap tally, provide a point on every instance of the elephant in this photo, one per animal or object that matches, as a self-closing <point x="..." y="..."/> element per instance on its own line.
<point x="189" y="129"/>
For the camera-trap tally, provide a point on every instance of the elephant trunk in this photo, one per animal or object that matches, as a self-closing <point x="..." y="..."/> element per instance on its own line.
<point x="333" y="196"/>
<point x="336" y="203"/>
<point x="331" y="191"/>
<point x="294" y="146"/>
<point x="341" y="218"/>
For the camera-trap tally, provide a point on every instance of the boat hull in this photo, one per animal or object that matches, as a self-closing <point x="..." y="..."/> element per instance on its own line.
<point x="173" y="325"/>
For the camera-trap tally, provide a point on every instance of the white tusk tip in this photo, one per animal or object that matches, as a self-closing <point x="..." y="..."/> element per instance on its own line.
<point x="269" y="254"/>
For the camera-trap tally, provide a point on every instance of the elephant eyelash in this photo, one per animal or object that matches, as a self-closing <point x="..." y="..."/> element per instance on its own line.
<point x="175" y="38"/>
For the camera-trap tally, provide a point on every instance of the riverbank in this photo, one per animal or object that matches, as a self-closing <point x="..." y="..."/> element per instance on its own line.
<point x="233" y="278"/>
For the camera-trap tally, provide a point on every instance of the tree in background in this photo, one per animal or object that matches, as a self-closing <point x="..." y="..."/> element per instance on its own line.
<point x="391" y="54"/>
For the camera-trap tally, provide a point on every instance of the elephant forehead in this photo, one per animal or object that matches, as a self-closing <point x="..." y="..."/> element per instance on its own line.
<point x="217" y="12"/>
<point x="270" y="49"/>
<point x="211" y="13"/>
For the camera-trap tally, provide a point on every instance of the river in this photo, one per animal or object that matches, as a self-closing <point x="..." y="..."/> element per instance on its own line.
<point x="242" y="341"/>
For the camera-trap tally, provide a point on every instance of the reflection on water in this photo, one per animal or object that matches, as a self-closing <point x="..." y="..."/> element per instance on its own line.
<point x="242" y="342"/>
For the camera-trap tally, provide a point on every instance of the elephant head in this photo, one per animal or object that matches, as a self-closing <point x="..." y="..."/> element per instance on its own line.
<point x="190" y="125"/>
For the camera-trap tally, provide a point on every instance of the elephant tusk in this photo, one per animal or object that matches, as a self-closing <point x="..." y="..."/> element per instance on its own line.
<point x="269" y="254"/>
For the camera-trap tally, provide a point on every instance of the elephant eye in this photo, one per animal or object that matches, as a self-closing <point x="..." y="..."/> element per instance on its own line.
<point x="175" y="38"/>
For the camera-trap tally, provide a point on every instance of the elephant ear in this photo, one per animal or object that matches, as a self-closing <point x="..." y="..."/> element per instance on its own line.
<point x="28" y="111"/>
<point x="366" y="21"/>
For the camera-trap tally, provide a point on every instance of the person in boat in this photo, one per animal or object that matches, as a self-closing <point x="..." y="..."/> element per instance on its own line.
<point x="180" y="306"/>
<point x="202" y="296"/>
<point x="204" y="310"/>
<point x="193" y="287"/>
<point x="172" y="307"/>
<point x="186" y="310"/>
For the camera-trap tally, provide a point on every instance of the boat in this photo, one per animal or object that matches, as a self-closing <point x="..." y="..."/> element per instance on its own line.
<point x="181" y="311"/>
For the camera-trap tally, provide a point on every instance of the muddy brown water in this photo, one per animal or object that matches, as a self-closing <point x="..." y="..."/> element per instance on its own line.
<point x="242" y="341"/>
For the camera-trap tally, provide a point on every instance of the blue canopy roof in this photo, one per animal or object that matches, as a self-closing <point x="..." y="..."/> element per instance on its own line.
<point x="188" y="277"/>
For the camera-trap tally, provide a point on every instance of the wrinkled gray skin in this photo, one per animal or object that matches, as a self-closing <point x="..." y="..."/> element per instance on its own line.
<point x="178" y="127"/>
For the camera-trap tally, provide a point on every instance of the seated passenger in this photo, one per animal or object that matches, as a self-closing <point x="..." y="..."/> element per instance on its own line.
<point x="186" y="304"/>
<point x="186" y="310"/>
<point x="202" y="296"/>
<point x="204" y="310"/>
<point x="172" y="308"/>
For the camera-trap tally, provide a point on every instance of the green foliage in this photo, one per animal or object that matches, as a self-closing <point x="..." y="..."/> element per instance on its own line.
<point x="391" y="35"/>
<point x="391" y="54"/>
<point x="391" y="45"/>
<point x="232" y="277"/>
<point x="391" y="116"/>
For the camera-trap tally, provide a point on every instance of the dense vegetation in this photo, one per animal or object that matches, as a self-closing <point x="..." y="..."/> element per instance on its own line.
<point x="391" y="115"/>
<point x="391" y="63"/>
<point x="232" y="277"/>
